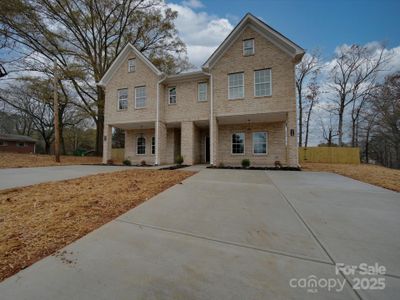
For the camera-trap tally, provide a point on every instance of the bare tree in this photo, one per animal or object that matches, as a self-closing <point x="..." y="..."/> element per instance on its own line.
<point x="309" y="66"/>
<point x="328" y="130"/>
<point x="355" y="67"/>
<point x="312" y="98"/>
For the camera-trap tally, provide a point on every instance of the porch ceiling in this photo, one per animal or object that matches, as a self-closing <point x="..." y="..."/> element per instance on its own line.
<point x="134" y="125"/>
<point x="252" y="118"/>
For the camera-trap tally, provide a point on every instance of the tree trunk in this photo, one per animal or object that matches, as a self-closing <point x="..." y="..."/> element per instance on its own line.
<point x="340" y="126"/>
<point x="367" y="147"/>
<point x="300" y="118"/>
<point x="100" y="120"/>
<point x="353" y="132"/>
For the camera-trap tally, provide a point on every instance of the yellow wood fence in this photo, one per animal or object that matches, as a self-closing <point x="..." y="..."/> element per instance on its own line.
<point x="117" y="154"/>
<point x="332" y="155"/>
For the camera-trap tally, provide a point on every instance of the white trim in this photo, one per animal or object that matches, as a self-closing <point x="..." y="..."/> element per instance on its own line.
<point x="229" y="93"/>
<point x="121" y="58"/>
<point x="244" y="143"/>
<point x="198" y="91"/>
<point x="145" y="97"/>
<point x="254" y="83"/>
<point x="266" y="143"/>
<point x="254" y="49"/>
<point x="137" y="137"/>
<point x="212" y="158"/>
<point x="169" y="95"/>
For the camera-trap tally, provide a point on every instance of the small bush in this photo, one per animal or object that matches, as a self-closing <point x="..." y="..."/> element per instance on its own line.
<point x="179" y="160"/>
<point x="127" y="162"/>
<point x="221" y="165"/>
<point x="278" y="164"/>
<point x="245" y="163"/>
<point x="143" y="163"/>
<point x="110" y="162"/>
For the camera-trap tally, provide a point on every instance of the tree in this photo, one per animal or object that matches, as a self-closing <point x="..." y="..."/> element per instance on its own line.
<point x="354" y="68"/>
<point x="85" y="36"/>
<point x="312" y="97"/>
<point x="309" y="66"/>
<point x="328" y="132"/>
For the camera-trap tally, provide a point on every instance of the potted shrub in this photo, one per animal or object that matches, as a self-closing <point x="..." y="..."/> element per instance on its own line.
<point x="245" y="163"/>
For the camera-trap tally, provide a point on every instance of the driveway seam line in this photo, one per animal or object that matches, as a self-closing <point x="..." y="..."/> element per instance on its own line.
<point x="313" y="234"/>
<point x="227" y="242"/>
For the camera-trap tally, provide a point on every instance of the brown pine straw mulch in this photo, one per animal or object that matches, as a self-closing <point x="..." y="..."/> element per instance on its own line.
<point x="38" y="220"/>
<point x="372" y="174"/>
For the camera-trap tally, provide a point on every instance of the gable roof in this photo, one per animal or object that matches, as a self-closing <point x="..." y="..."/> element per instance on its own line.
<point x="121" y="58"/>
<point x="16" y="138"/>
<point x="291" y="48"/>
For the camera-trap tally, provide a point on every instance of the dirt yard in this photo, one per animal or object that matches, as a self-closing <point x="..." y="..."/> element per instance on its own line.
<point x="37" y="221"/>
<point x="377" y="175"/>
<point x="17" y="160"/>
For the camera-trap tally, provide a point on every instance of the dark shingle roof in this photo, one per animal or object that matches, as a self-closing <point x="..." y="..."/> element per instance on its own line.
<point x="16" y="137"/>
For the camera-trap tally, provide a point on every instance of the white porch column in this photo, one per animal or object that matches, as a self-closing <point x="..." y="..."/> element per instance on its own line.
<point x="292" y="146"/>
<point x="107" y="143"/>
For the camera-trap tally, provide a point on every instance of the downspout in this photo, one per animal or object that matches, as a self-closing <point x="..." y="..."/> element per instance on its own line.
<point x="211" y="119"/>
<point x="157" y="162"/>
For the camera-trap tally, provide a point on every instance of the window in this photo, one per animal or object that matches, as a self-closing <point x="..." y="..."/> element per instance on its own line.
<point x="172" y="95"/>
<point x="140" y="97"/>
<point x="202" y="91"/>
<point x="131" y="65"/>
<point x="3" y="143"/>
<point x="262" y="83"/>
<point x="248" y="47"/>
<point x="259" y="142"/>
<point x="236" y="86"/>
<point x="20" y="144"/>
<point x="122" y="99"/>
<point x="238" y="143"/>
<point x="141" y="145"/>
<point x="153" y="145"/>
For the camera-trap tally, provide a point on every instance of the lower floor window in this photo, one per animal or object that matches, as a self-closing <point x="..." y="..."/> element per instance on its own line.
<point x="238" y="143"/>
<point x="153" y="145"/>
<point x="141" y="145"/>
<point x="259" y="142"/>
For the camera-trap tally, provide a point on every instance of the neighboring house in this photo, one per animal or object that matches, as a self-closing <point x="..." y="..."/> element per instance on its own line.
<point x="17" y="143"/>
<point x="242" y="103"/>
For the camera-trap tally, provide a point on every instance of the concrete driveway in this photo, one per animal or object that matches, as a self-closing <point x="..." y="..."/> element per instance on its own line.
<point x="230" y="234"/>
<point x="17" y="177"/>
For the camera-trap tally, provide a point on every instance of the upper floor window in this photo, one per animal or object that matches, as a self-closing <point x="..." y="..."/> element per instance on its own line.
<point x="153" y="145"/>
<point x="140" y="97"/>
<point x="238" y="143"/>
<point x="122" y="99"/>
<point x="172" y="95"/>
<point x="141" y="145"/>
<point x="236" y="86"/>
<point x="262" y="83"/>
<point x="259" y="142"/>
<point x="202" y="91"/>
<point x="248" y="47"/>
<point x="131" y="65"/>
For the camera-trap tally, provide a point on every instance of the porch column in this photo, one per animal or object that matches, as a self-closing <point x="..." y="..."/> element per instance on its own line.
<point x="213" y="141"/>
<point x="107" y="143"/>
<point x="187" y="142"/>
<point x="292" y="146"/>
<point x="161" y="142"/>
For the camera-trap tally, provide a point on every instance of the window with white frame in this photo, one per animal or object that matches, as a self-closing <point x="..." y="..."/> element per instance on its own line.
<point x="153" y="145"/>
<point x="236" y="86"/>
<point x="202" y="91"/>
<point x="248" y="47"/>
<point x="140" y="97"/>
<point x="141" y="145"/>
<point x="172" y="95"/>
<point x="260" y="142"/>
<point x="238" y="143"/>
<point x="262" y="83"/>
<point x="131" y="65"/>
<point x="122" y="99"/>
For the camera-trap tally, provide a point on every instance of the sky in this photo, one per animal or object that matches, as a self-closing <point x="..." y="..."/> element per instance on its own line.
<point x="322" y="24"/>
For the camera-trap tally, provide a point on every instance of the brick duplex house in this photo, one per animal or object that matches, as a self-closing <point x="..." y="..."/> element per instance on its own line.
<point x="241" y="104"/>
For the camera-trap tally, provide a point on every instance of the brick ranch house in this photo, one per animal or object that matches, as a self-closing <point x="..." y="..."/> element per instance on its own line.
<point x="241" y="104"/>
<point x="17" y="143"/>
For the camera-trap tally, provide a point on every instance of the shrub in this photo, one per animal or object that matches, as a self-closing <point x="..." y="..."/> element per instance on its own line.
<point x="110" y="162"/>
<point x="127" y="162"/>
<point x="179" y="159"/>
<point x="278" y="164"/>
<point x="143" y="163"/>
<point x="221" y="165"/>
<point x="245" y="163"/>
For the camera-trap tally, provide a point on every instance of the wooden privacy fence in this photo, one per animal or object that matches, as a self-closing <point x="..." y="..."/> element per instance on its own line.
<point x="331" y="155"/>
<point x="117" y="154"/>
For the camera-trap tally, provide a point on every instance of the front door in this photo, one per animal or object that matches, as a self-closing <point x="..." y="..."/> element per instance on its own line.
<point x="207" y="149"/>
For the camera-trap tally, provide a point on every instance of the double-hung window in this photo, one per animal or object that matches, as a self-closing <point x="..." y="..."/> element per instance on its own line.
<point x="131" y="65"/>
<point x="140" y="97"/>
<point x="262" y="83"/>
<point x="153" y="145"/>
<point x="260" y="142"/>
<point x="248" y="47"/>
<point x="236" y="86"/>
<point x="122" y="99"/>
<point x="172" y="95"/>
<point x="141" y="145"/>
<point x="238" y="143"/>
<point x="202" y="91"/>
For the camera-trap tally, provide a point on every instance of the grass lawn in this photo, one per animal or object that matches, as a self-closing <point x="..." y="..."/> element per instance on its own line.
<point x="377" y="175"/>
<point x="38" y="220"/>
<point x="17" y="160"/>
